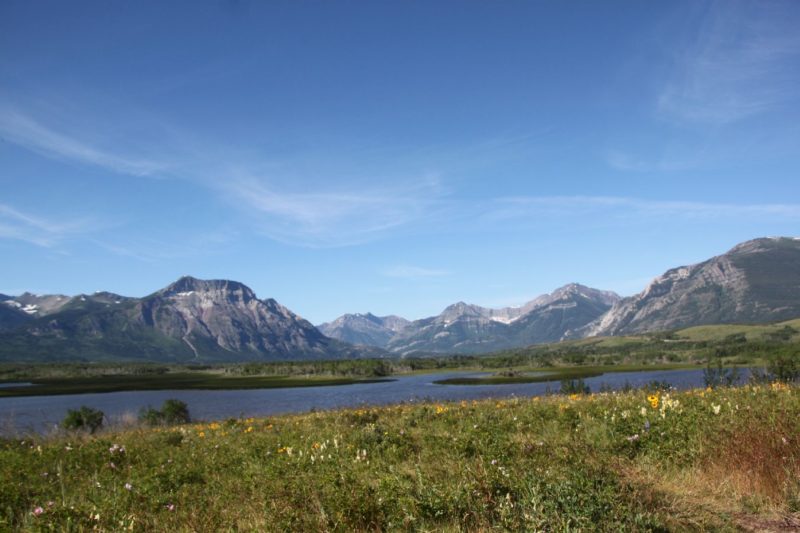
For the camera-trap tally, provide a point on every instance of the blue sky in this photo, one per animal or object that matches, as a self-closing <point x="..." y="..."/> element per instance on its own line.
<point x="392" y="157"/>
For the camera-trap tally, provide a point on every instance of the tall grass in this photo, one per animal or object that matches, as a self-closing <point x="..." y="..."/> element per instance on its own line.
<point x="704" y="459"/>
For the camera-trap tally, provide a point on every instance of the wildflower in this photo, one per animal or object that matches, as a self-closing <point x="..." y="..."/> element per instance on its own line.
<point x="653" y="399"/>
<point x="202" y="434"/>
<point x="633" y="437"/>
<point x="128" y="486"/>
<point x="38" y="511"/>
<point x="249" y="429"/>
<point x="716" y="408"/>
<point x="170" y="507"/>
<point x="116" y="448"/>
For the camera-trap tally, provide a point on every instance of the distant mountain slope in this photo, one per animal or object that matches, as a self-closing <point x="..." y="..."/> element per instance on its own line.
<point x="12" y="317"/>
<point x="469" y="328"/>
<point x="756" y="281"/>
<point x="191" y="319"/>
<point x="36" y="305"/>
<point x="556" y="315"/>
<point x="365" y="329"/>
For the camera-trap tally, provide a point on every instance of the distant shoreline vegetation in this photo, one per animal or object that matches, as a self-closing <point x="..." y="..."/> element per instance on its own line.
<point x="170" y="381"/>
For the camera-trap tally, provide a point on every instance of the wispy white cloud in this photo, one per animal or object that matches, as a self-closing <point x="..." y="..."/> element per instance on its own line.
<point x="24" y="130"/>
<point x="283" y="207"/>
<point x="741" y="62"/>
<point x="413" y="272"/>
<point x="33" y="229"/>
<point x="154" y="250"/>
<point x="329" y="218"/>
<point x="548" y="207"/>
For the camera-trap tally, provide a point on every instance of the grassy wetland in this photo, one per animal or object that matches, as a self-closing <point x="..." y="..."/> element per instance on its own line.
<point x="727" y="458"/>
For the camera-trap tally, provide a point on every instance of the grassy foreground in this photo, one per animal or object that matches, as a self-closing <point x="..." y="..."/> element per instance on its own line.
<point x="705" y="459"/>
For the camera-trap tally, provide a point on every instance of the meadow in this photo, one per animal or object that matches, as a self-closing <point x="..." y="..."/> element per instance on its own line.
<point x="707" y="459"/>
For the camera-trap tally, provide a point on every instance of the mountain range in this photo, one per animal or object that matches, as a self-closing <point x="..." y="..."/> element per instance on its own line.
<point x="189" y="320"/>
<point x="221" y="320"/>
<point x="756" y="281"/>
<point x="466" y="328"/>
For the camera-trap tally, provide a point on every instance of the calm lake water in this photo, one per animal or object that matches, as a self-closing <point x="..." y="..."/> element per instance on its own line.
<point x="36" y="414"/>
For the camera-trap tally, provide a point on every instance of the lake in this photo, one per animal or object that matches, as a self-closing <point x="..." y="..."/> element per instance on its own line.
<point x="38" y="414"/>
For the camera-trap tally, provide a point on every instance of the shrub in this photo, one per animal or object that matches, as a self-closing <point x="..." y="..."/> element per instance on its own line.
<point x="717" y="376"/>
<point x="175" y="412"/>
<point x="172" y="412"/>
<point x="784" y="368"/>
<point x="150" y="416"/>
<point x="84" y="418"/>
<point x="657" y="386"/>
<point x="574" y="386"/>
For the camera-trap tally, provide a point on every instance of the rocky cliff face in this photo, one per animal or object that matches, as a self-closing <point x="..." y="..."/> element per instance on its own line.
<point x="366" y="329"/>
<point x="190" y="319"/>
<point x="756" y="281"/>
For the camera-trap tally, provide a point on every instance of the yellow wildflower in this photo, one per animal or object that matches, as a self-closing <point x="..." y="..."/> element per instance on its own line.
<point x="653" y="399"/>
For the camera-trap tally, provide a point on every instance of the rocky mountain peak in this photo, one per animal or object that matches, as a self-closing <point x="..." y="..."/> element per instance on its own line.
<point x="213" y="288"/>
<point x="764" y="244"/>
<point x="460" y="309"/>
<point x="755" y="281"/>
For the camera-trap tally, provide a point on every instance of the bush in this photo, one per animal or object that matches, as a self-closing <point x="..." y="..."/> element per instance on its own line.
<point x="150" y="416"/>
<point x="784" y="368"/>
<point x="657" y="386"/>
<point x="175" y="412"/>
<point x="84" y="418"/>
<point x="172" y="412"/>
<point x="574" y="386"/>
<point x="717" y="376"/>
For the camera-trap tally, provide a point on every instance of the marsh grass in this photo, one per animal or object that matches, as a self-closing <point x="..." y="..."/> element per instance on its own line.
<point x="696" y="460"/>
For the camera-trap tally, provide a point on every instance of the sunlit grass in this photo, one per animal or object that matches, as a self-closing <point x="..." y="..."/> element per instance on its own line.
<point x="701" y="459"/>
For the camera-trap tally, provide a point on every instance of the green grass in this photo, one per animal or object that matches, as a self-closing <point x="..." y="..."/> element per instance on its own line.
<point x="170" y="381"/>
<point x="544" y="374"/>
<point x="697" y="460"/>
